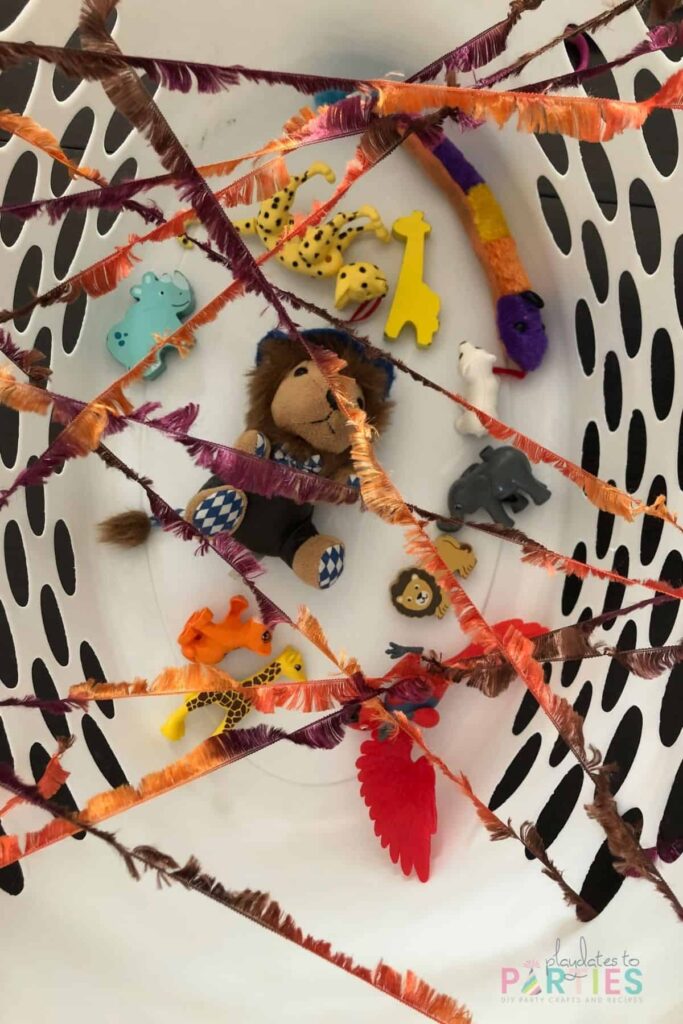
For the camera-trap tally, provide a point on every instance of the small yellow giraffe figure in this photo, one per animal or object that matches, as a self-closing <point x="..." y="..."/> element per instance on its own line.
<point x="318" y="252"/>
<point x="414" y="301"/>
<point x="289" y="664"/>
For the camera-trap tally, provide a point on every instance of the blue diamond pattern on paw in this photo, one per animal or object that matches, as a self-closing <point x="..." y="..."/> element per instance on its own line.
<point x="219" y="512"/>
<point x="331" y="566"/>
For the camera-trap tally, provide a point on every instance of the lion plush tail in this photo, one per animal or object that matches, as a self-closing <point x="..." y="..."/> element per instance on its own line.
<point x="127" y="529"/>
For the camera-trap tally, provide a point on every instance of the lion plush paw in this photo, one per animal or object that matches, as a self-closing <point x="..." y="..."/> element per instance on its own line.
<point x="319" y="562"/>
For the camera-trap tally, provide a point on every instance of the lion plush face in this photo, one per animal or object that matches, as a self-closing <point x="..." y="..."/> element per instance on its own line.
<point x="415" y="593"/>
<point x="291" y="402"/>
<point x="304" y="405"/>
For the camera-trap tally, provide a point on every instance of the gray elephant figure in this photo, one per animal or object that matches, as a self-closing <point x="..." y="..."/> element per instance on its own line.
<point x="504" y="475"/>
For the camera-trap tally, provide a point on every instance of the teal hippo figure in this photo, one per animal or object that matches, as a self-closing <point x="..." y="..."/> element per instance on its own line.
<point x="159" y="306"/>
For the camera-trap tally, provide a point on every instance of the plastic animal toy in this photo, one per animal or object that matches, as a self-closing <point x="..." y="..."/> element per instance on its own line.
<point x="399" y="792"/>
<point x="161" y="303"/>
<point x="518" y="308"/>
<point x="208" y="642"/>
<point x="236" y="704"/>
<point x="504" y="475"/>
<point x="414" y="301"/>
<point x="475" y="366"/>
<point x="292" y="418"/>
<point x="319" y="251"/>
<point x="416" y="593"/>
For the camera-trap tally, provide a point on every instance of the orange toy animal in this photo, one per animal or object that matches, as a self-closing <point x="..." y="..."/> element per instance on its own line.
<point x="208" y="642"/>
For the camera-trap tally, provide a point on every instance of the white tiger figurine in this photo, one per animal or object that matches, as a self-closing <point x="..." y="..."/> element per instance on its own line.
<point x="480" y="387"/>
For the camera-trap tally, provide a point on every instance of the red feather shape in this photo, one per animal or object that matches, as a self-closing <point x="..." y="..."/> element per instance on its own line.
<point x="400" y="795"/>
<point x="527" y="629"/>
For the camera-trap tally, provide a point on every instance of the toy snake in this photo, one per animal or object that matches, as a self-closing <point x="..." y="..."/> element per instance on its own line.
<point x="518" y="308"/>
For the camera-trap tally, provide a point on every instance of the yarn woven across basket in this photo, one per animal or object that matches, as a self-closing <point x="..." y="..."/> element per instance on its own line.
<point x="598" y="228"/>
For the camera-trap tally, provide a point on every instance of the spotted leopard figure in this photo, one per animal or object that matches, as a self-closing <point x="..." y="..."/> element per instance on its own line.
<point x="319" y="251"/>
<point x="289" y="664"/>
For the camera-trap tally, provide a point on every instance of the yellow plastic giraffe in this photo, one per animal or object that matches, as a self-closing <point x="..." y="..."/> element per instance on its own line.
<point x="414" y="301"/>
<point x="318" y="252"/>
<point x="289" y="664"/>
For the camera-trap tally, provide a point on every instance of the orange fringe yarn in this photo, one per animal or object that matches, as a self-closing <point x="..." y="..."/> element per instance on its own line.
<point x="580" y="117"/>
<point x="383" y="498"/>
<point x="50" y="782"/>
<point x="308" y="626"/>
<point x="30" y="131"/>
<point x="314" y="695"/>
<point x="203" y="759"/>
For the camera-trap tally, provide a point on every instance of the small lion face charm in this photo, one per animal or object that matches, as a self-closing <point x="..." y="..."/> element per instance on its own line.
<point x="416" y="593"/>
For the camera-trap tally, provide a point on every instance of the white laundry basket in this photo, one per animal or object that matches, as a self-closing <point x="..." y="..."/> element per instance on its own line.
<point x="79" y="939"/>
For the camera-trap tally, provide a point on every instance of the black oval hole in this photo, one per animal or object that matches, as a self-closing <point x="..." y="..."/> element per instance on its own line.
<point x="559" y="807"/>
<point x="678" y="276"/>
<point x="27" y="285"/>
<point x="11" y="9"/>
<point x="92" y="670"/>
<point x="43" y="344"/>
<point x="74" y="141"/>
<point x="636" y="451"/>
<point x="671" y="825"/>
<point x="603" y="531"/>
<point x="68" y="240"/>
<point x="663" y="616"/>
<point x="596" y="260"/>
<point x="581" y="706"/>
<point x="16" y="85"/>
<point x="555" y="148"/>
<point x="585" y="336"/>
<point x="526" y="711"/>
<point x="631" y="314"/>
<point x="5" y="749"/>
<point x="64" y="557"/>
<point x="35" y="504"/>
<point x="9" y="670"/>
<point x="9" y="435"/>
<point x="15" y="563"/>
<point x="614" y="595"/>
<point x="102" y="754"/>
<point x="659" y="131"/>
<point x="20" y="187"/>
<point x="645" y="223"/>
<point x="611" y="387"/>
<point x="516" y="772"/>
<point x="671" y="713"/>
<point x="45" y="689"/>
<point x="555" y="215"/>
<point x="651" y="531"/>
<point x="602" y="882"/>
<point x="40" y="759"/>
<point x="624" y="746"/>
<point x="604" y="85"/>
<point x="600" y="177"/>
<point x="590" y="452"/>
<point x="573" y="584"/>
<point x="53" y="625"/>
<point x="662" y="373"/>
<point x="126" y="172"/>
<point x="617" y="674"/>
<point x="63" y="85"/>
<point x="11" y="877"/>
<point x="74" y="314"/>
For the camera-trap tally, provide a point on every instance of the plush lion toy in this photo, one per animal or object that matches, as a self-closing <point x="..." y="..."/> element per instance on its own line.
<point x="292" y="418"/>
